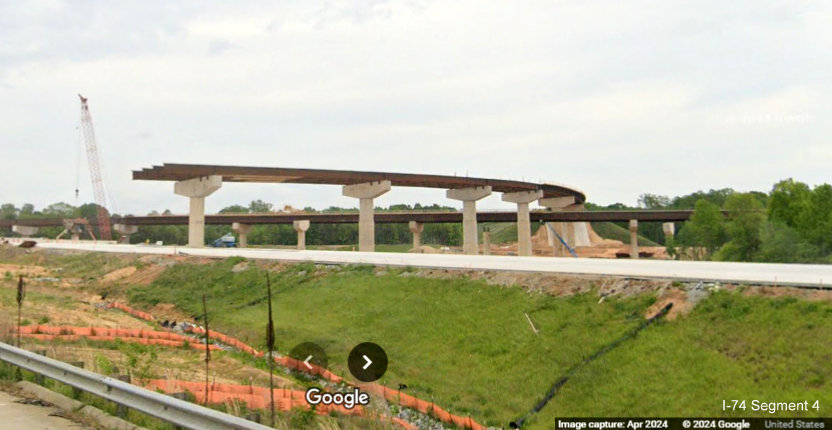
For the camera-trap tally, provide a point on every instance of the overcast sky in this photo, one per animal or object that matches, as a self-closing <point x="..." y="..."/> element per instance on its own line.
<point x="614" y="98"/>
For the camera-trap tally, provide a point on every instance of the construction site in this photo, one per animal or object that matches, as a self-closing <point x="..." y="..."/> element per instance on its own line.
<point x="413" y="215"/>
<point x="126" y="310"/>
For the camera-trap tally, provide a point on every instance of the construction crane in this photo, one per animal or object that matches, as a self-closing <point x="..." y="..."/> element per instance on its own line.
<point x="95" y="171"/>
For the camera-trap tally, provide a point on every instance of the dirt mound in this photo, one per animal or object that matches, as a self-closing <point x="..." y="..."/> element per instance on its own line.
<point x="119" y="274"/>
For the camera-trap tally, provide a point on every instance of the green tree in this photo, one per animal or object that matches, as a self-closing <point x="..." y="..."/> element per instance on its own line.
<point x="259" y="206"/>
<point x="745" y="221"/>
<point x="815" y="221"/>
<point x="27" y="210"/>
<point x="705" y="230"/>
<point x="788" y="199"/>
<point x="234" y="209"/>
<point x="61" y="210"/>
<point x="653" y="201"/>
<point x="9" y="211"/>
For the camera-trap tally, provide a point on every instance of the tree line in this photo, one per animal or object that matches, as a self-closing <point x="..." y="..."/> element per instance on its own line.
<point x="792" y="223"/>
<point x="448" y="234"/>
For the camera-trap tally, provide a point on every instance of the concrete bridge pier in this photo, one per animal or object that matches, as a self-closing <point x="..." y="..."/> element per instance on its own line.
<point x="565" y="230"/>
<point x="469" y="197"/>
<point x="125" y="230"/>
<point x="669" y="230"/>
<point x="301" y="226"/>
<point x="486" y="242"/>
<point x="416" y="228"/>
<point x="365" y="193"/>
<point x="242" y="230"/>
<point x="634" y="238"/>
<point x="25" y="230"/>
<point x="524" y="229"/>
<point x="197" y="189"/>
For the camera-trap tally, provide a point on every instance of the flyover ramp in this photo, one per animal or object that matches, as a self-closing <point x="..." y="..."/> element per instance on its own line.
<point x="804" y="275"/>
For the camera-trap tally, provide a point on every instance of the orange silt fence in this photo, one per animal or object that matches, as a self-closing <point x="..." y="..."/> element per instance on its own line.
<point x="389" y="394"/>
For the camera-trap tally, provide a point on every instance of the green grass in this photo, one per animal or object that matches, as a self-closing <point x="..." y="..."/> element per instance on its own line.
<point x="460" y="343"/>
<point x="503" y="232"/>
<point x="729" y="347"/>
<point x="468" y="347"/>
<point x="609" y="230"/>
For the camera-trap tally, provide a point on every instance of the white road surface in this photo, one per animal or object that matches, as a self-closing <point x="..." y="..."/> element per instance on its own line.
<point x="813" y="275"/>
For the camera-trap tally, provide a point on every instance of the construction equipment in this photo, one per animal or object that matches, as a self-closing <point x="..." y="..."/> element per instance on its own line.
<point x="95" y="170"/>
<point x="227" y="241"/>
<point x="76" y="227"/>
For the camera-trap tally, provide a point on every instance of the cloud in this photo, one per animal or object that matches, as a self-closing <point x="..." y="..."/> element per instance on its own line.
<point x="615" y="98"/>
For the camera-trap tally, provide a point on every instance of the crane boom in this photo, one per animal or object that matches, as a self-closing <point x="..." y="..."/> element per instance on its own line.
<point x="95" y="170"/>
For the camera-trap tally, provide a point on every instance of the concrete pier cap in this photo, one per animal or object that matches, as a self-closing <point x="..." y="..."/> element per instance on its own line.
<point x="197" y="189"/>
<point x="125" y="230"/>
<point x="301" y="226"/>
<point x="365" y="193"/>
<point x="556" y="202"/>
<point x="25" y="230"/>
<point x="416" y="228"/>
<point x="469" y="197"/>
<point x="524" y="229"/>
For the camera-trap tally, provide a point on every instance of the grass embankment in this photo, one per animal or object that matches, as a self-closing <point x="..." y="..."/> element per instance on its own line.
<point x="467" y="346"/>
<point x="611" y="230"/>
<point x="503" y="232"/>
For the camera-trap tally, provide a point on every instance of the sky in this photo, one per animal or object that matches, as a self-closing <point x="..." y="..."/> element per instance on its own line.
<point x="613" y="98"/>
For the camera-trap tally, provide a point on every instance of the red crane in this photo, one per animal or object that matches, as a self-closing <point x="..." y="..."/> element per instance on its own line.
<point x="95" y="171"/>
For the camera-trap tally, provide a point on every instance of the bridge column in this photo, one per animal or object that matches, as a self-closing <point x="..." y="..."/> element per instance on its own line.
<point x="486" y="242"/>
<point x="197" y="189"/>
<point x="301" y="226"/>
<point x="125" y="230"/>
<point x="416" y="228"/>
<point x="25" y="230"/>
<point x="365" y="193"/>
<point x="469" y="197"/>
<point x="669" y="230"/>
<point x="242" y="230"/>
<point x="634" y="238"/>
<point x="565" y="230"/>
<point x="524" y="229"/>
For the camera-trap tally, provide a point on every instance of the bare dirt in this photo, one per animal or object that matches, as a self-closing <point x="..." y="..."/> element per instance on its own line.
<point x="26" y="270"/>
<point x="117" y="275"/>
<point x="679" y="298"/>
<point x="147" y="275"/>
<point x="601" y="248"/>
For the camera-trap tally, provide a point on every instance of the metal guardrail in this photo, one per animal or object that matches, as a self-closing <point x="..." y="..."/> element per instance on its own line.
<point x="166" y="408"/>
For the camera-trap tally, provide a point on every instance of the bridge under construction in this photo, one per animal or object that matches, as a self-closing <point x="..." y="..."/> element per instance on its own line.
<point x="562" y="207"/>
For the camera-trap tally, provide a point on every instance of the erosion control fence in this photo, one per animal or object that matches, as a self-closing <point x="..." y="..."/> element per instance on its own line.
<point x="394" y="396"/>
<point x="166" y="408"/>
